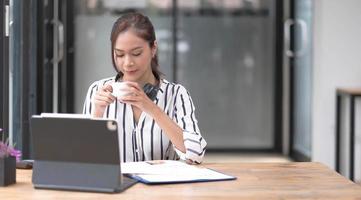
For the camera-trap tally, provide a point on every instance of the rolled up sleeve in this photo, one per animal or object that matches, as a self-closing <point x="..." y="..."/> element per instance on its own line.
<point x="185" y="117"/>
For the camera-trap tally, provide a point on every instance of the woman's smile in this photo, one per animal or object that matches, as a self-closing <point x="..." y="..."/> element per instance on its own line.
<point x="131" y="72"/>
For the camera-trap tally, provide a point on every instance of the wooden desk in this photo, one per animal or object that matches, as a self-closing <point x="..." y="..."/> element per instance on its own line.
<point x="255" y="181"/>
<point x="353" y="93"/>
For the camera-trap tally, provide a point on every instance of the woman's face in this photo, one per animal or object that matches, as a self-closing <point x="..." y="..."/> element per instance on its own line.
<point x="133" y="56"/>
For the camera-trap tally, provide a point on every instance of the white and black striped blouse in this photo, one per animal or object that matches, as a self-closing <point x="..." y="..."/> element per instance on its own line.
<point x="146" y="140"/>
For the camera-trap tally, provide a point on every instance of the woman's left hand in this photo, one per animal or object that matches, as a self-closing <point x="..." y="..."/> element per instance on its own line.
<point x="138" y="98"/>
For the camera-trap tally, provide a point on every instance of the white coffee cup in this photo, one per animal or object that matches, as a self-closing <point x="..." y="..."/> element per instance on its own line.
<point x="120" y="89"/>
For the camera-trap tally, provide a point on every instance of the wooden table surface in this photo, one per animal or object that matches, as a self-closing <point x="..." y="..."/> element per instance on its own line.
<point x="349" y="91"/>
<point x="306" y="180"/>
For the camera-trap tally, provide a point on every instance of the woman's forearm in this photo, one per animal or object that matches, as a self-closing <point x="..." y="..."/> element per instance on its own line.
<point x="173" y="131"/>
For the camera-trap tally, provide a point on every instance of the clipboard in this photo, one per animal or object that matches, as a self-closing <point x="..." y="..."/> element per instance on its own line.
<point x="169" y="171"/>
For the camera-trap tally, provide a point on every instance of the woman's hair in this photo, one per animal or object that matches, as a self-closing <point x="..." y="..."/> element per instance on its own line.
<point x="143" y="28"/>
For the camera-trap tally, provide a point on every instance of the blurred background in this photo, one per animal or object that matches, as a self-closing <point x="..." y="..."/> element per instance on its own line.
<point x="263" y="74"/>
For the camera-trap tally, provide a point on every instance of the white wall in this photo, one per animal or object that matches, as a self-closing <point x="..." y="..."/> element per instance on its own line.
<point x="337" y="63"/>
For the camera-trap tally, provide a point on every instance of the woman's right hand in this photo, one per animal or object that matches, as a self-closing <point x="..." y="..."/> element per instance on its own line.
<point x="102" y="99"/>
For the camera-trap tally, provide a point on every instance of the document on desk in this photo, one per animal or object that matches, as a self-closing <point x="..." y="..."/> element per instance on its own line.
<point x="170" y="171"/>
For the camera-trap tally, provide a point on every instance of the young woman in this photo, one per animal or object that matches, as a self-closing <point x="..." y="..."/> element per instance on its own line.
<point x="165" y="128"/>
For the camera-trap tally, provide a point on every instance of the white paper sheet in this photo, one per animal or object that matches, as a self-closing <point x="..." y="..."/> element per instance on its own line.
<point x="164" y="171"/>
<point x="63" y="115"/>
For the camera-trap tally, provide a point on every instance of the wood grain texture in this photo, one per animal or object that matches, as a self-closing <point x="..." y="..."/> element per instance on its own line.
<point x="349" y="91"/>
<point x="306" y="180"/>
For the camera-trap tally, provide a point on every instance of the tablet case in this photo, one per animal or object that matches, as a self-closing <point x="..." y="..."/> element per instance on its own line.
<point x="76" y="154"/>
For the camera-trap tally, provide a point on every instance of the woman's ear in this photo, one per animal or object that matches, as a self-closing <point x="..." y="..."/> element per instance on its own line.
<point x="154" y="49"/>
<point x="114" y="56"/>
<point x="115" y="59"/>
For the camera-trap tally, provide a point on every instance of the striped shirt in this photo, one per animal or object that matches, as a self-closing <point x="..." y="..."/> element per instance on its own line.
<point x="145" y="140"/>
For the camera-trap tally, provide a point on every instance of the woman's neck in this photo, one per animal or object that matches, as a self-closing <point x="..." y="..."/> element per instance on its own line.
<point x="152" y="81"/>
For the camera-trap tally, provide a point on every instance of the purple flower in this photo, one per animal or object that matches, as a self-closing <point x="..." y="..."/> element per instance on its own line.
<point x="16" y="153"/>
<point x="7" y="150"/>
